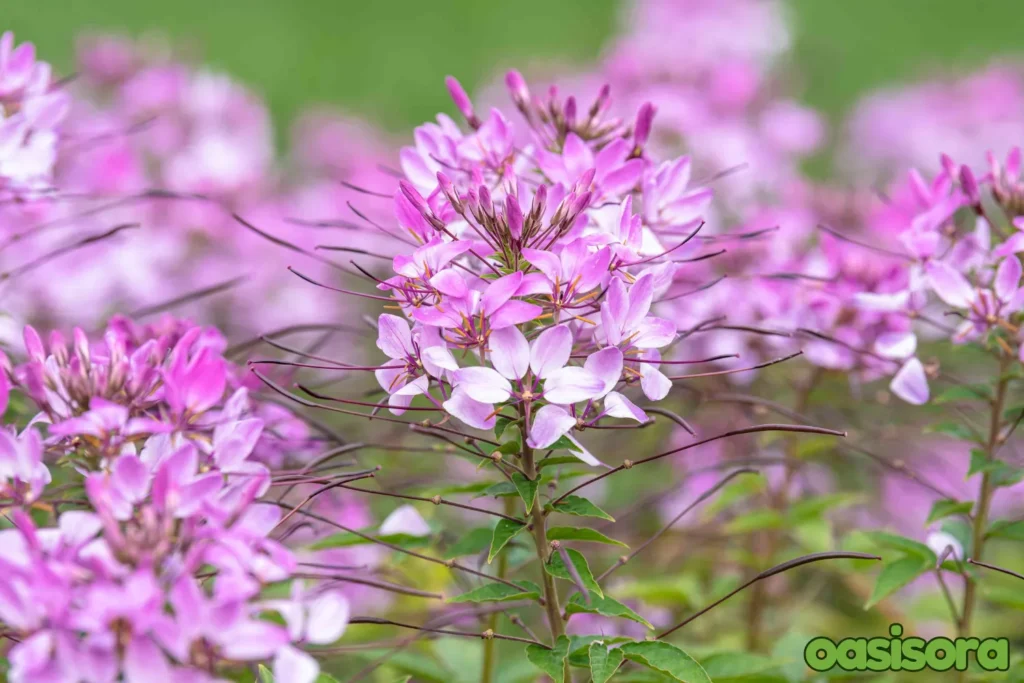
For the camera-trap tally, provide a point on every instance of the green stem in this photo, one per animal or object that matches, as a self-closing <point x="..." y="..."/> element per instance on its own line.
<point x="984" y="504"/>
<point x="540" y="539"/>
<point x="768" y="545"/>
<point x="490" y="647"/>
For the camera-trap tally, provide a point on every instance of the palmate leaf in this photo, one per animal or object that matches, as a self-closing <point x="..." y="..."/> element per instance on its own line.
<point x="500" y="592"/>
<point x="737" y="665"/>
<point x="345" y="539"/>
<point x="471" y="543"/>
<point x="896" y="575"/>
<point x="605" y="606"/>
<point x="667" y="659"/>
<point x="504" y="532"/>
<point x="527" y="489"/>
<point x="604" y="662"/>
<point x="556" y="567"/>
<point x="948" y="507"/>
<point x="580" y="507"/>
<point x="550" y="660"/>
<point x="572" y="533"/>
<point x="908" y="546"/>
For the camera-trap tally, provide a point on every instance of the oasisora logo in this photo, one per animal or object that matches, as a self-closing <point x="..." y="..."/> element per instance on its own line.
<point x="906" y="654"/>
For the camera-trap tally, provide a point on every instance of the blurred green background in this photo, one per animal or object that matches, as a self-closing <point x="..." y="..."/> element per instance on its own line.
<point x="385" y="60"/>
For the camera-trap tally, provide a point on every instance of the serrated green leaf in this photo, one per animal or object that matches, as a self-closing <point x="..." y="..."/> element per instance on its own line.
<point x="500" y="592"/>
<point x="814" y="446"/>
<point x="605" y="606"/>
<point x="550" y="661"/>
<point x="556" y="567"/>
<point x="970" y="392"/>
<point x="667" y="659"/>
<point x="733" y="665"/>
<point x="477" y="487"/>
<point x="755" y="520"/>
<point x="604" y="662"/>
<point x="345" y="539"/>
<point x="895" y="575"/>
<point x="527" y="489"/>
<point x="905" y="545"/>
<point x="811" y="508"/>
<point x="500" y="490"/>
<point x="556" y="460"/>
<point x="1000" y="473"/>
<point x="953" y="429"/>
<point x="739" y="489"/>
<point x="500" y="424"/>
<point x="1005" y="528"/>
<point x="471" y="543"/>
<point x="948" y="507"/>
<point x="563" y="444"/>
<point x="504" y="532"/>
<point x="580" y="507"/>
<point x="572" y="533"/>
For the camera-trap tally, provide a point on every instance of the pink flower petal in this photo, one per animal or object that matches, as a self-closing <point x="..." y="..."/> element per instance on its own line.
<point x="617" y="405"/>
<point x="606" y="365"/>
<point x="483" y="384"/>
<point x="571" y="385"/>
<point x="550" y="350"/>
<point x="1007" y="278"/>
<point x="950" y="285"/>
<point x="911" y="383"/>
<point x="549" y="423"/>
<point x="510" y="352"/>
<point x="473" y="413"/>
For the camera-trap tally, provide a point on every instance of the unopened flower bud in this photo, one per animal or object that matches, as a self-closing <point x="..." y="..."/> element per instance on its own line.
<point x="642" y="129"/>
<point x="516" y="85"/>
<point x="462" y="101"/>
<point x="514" y="216"/>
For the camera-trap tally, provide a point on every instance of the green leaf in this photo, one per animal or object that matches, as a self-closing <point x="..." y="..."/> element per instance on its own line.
<point x="755" y="520"/>
<point x="1001" y="473"/>
<point x="500" y="490"/>
<point x="327" y="678"/>
<point x="556" y="460"/>
<point x="948" y="507"/>
<point x="895" y="575"/>
<point x="605" y="606"/>
<point x="556" y="567"/>
<point x="970" y="392"/>
<point x="265" y="674"/>
<point x="732" y="665"/>
<point x="953" y="429"/>
<point x="527" y="489"/>
<point x="503" y="533"/>
<point x="580" y="507"/>
<point x="550" y="660"/>
<point x="905" y="545"/>
<point x="572" y="533"/>
<point x="500" y="424"/>
<point x="345" y="539"/>
<point x="562" y="444"/>
<point x="471" y="543"/>
<point x="813" y="508"/>
<point x="511" y="441"/>
<point x="604" y="662"/>
<point x="1005" y="528"/>
<point x="667" y="659"/>
<point x="500" y="592"/>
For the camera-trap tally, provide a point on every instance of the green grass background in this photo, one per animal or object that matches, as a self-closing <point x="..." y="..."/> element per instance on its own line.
<point x="385" y="59"/>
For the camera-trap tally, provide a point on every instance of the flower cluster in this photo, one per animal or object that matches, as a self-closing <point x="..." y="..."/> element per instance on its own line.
<point x="32" y="106"/>
<point x="532" y="283"/>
